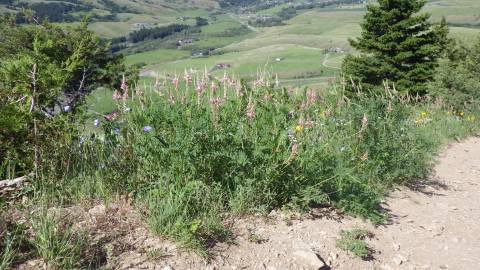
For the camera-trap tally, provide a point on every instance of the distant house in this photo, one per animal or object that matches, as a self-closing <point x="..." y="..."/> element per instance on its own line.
<point x="183" y="42"/>
<point x="222" y="66"/>
<point x="279" y="59"/>
<point x="142" y="25"/>
<point x="335" y="50"/>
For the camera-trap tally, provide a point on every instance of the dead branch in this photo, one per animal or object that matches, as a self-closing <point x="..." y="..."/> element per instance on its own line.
<point x="13" y="182"/>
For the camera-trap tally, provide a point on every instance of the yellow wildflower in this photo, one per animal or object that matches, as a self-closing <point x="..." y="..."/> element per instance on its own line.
<point x="462" y="114"/>
<point x="299" y="128"/>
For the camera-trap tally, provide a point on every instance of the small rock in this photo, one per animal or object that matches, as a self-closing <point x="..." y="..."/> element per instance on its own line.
<point x="168" y="267"/>
<point x="333" y="255"/>
<point x="310" y="258"/>
<point x="396" y="247"/>
<point x="97" y="210"/>
<point x="399" y="259"/>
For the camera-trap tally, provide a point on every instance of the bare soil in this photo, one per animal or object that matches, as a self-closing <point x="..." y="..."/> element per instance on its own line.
<point x="433" y="225"/>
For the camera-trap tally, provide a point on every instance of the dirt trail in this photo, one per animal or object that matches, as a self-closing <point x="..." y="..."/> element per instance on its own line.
<point x="434" y="225"/>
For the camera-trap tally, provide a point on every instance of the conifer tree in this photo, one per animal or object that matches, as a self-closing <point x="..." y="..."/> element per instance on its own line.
<point x="398" y="44"/>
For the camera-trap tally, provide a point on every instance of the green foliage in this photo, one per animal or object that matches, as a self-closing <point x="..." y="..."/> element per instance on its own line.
<point x="397" y="44"/>
<point x="354" y="241"/>
<point x="14" y="244"/>
<point x="456" y="80"/>
<point x="191" y="158"/>
<point x="45" y="72"/>
<point x="58" y="245"/>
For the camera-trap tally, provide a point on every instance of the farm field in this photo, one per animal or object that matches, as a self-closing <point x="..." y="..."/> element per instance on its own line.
<point x="301" y="44"/>
<point x="309" y="45"/>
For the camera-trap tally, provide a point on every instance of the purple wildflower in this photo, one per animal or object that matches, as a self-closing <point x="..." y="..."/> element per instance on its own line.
<point x="147" y="129"/>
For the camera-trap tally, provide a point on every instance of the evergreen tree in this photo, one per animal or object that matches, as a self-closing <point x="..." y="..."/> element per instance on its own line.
<point x="397" y="44"/>
<point x="45" y="73"/>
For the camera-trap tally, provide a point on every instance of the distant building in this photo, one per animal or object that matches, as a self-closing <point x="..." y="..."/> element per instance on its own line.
<point x="222" y="66"/>
<point x="142" y="25"/>
<point x="335" y="50"/>
<point x="183" y="42"/>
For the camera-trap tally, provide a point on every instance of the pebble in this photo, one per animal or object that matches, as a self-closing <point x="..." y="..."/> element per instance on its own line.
<point x="97" y="210"/>
<point x="168" y="267"/>
<point x="399" y="259"/>
<point x="309" y="258"/>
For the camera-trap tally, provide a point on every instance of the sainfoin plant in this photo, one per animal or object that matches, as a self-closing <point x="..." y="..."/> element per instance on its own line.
<point x="197" y="149"/>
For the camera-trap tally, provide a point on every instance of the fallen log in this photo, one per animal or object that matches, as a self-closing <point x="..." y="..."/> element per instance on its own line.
<point x="13" y="182"/>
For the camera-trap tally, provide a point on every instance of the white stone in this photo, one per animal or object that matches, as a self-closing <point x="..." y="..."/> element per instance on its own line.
<point x="97" y="210"/>
<point x="309" y="258"/>
<point x="399" y="259"/>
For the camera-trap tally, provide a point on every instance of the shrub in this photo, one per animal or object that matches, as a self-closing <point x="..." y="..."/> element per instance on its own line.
<point x="193" y="154"/>
<point x="456" y="81"/>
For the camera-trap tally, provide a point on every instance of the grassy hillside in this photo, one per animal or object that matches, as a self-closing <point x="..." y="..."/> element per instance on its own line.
<point x="302" y="42"/>
<point x="307" y="48"/>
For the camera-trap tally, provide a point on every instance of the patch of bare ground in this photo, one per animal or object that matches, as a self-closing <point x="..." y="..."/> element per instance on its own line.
<point x="433" y="225"/>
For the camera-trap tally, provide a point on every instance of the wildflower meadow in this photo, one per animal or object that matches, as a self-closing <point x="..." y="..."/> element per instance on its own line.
<point x="196" y="150"/>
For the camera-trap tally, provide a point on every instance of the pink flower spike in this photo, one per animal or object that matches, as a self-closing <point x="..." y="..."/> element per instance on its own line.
<point x="214" y="87"/>
<point x="117" y="95"/>
<point x="124" y="85"/>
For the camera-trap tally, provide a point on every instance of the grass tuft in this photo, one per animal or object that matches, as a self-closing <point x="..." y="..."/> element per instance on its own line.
<point x="354" y="241"/>
<point x="57" y="244"/>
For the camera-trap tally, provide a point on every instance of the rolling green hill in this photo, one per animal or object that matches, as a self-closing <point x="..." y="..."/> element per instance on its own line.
<point x="304" y="43"/>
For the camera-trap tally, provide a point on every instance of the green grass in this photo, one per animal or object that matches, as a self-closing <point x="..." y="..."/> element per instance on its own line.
<point x="199" y="165"/>
<point x="156" y="56"/>
<point x="315" y="29"/>
<point x="455" y="11"/>
<point x="59" y="246"/>
<point x="354" y="241"/>
<point x="296" y="62"/>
